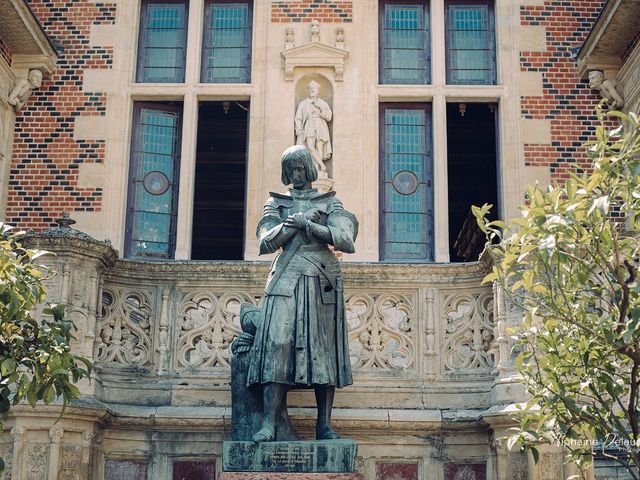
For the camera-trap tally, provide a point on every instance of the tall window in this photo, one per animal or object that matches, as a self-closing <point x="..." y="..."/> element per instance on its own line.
<point x="162" y="42"/>
<point x="470" y="42"/>
<point x="407" y="192"/>
<point x="153" y="176"/>
<point x="404" y="42"/>
<point x="226" y="45"/>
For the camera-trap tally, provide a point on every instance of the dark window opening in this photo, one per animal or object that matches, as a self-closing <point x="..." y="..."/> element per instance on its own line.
<point x="406" y="182"/>
<point x="472" y="170"/>
<point x="219" y="198"/>
<point x="153" y="180"/>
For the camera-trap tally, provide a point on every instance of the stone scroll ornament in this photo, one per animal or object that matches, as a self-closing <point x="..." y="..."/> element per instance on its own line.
<point x="297" y="337"/>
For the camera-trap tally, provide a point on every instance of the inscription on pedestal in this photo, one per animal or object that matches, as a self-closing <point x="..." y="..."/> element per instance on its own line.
<point x="320" y="456"/>
<point x="291" y="457"/>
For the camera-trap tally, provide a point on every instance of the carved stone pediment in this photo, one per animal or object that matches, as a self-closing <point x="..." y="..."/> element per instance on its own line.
<point x="314" y="54"/>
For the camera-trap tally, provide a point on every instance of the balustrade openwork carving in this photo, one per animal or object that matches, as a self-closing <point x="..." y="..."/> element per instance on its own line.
<point x="207" y="325"/>
<point x="125" y="327"/>
<point x="467" y="319"/>
<point x="381" y="331"/>
<point x="420" y="326"/>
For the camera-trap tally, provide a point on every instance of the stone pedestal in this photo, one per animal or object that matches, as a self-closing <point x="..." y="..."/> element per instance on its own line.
<point x="321" y="456"/>
<point x="288" y="476"/>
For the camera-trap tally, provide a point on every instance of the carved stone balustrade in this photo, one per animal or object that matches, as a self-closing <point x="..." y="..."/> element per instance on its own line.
<point x="416" y="332"/>
<point x="421" y="336"/>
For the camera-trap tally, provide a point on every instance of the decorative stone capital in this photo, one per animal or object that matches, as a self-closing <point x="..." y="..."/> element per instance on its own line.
<point x="55" y="433"/>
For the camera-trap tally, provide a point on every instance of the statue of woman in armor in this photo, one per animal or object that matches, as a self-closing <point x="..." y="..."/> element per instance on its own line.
<point x="301" y="340"/>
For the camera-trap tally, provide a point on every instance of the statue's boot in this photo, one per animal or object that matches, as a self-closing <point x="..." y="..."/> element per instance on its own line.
<point x="324" y="399"/>
<point x="272" y="397"/>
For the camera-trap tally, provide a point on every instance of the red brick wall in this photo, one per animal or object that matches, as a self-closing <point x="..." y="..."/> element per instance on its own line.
<point x="567" y="101"/>
<point x="46" y="158"/>
<point x="5" y="52"/>
<point x="326" y="11"/>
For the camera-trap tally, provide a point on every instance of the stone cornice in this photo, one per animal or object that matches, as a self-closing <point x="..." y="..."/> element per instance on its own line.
<point x="70" y="245"/>
<point x="355" y="273"/>
<point x="20" y="9"/>
<point x="615" y="27"/>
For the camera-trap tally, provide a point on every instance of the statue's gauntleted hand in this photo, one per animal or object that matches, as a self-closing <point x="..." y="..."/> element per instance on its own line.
<point x="297" y="220"/>
<point x="313" y="214"/>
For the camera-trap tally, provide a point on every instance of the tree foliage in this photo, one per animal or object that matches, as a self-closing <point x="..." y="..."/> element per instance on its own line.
<point x="571" y="263"/>
<point x="36" y="362"/>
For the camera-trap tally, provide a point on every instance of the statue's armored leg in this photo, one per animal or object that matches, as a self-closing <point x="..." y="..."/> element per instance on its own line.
<point x="324" y="399"/>
<point x="272" y="398"/>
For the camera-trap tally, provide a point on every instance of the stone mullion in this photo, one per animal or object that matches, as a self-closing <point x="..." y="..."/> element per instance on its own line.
<point x="187" y="177"/>
<point x="440" y="179"/>
<point x="194" y="42"/>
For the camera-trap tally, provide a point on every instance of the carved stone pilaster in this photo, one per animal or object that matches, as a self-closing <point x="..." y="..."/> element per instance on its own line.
<point x="17" y="433"/>
<point x="55" y="434"/>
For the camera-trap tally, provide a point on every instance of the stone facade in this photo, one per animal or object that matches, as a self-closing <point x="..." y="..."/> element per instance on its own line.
<point x="434" y="381"/>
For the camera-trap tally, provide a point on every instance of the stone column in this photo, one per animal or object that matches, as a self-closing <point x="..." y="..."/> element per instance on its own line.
<point x="17" y="433"/>
<point x="55" y="434"/>
<point x="77" y="266"/>
<point x="507" y="387"/>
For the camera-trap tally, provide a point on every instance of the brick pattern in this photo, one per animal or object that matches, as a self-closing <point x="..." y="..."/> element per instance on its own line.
<point x="46" y="158"/>
<point x="5" y="52"/>
<point x="326" y="11"/>
<point x="567" y="102"/>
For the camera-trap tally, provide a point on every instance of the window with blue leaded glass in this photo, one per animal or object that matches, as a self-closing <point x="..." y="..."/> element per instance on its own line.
<point x="226" y="42"/>
<point x="404" y="42"/>
<point x="407" y="179"/>
<point x="470" y="42"/>
<point x="162" y="42"/>
<point x="153" y="177"/>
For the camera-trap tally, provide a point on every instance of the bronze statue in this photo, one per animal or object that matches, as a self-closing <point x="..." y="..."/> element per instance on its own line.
<point x="301" y="338"/>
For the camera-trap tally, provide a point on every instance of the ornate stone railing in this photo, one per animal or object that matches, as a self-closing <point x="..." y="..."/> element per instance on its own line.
<point x="420" y="335"/>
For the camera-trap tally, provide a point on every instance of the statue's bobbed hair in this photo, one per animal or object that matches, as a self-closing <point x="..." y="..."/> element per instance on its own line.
<point x="298" y="155"/>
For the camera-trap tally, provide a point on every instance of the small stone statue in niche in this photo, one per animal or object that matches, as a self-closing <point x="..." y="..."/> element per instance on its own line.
<point x="607" y="88"/>
<point x="289" y="38"/>
<point x="22" y="91"/>
<point x="315" y="31"/>
<point x="301" y="338"/>
<point x="311" y="126"/>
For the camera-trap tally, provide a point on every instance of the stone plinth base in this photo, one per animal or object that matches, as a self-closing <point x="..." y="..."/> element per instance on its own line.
<point x="320" y="456"/>
<point x="288" y="476"/>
